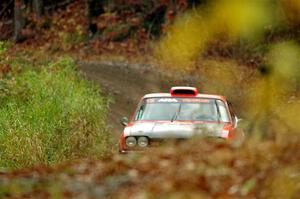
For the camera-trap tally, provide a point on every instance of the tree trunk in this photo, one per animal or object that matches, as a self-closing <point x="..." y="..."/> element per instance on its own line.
<point x="195" y="3"/>
<point x="19" y="19"/>
<point x="38" y="7"/>
<point x="94" y="8"/>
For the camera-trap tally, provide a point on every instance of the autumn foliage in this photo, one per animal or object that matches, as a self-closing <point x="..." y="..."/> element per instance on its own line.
<point x="247" y="50"/>
<point x="196" y="169"/>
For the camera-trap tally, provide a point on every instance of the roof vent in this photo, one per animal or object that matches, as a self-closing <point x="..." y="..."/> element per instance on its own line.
<point x="184" y="91"/>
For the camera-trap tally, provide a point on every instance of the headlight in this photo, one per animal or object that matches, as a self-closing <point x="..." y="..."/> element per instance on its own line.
<point x="143" y="141"/>
<point x="131" y="141"/>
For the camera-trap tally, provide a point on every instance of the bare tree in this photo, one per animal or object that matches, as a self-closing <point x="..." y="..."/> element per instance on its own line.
<point x="94" y="8"/>
<point x="19" y="19"/>
<point x="38" y="7"/>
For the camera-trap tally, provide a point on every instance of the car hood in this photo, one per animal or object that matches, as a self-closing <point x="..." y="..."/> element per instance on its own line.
<point x="175" y="129"/>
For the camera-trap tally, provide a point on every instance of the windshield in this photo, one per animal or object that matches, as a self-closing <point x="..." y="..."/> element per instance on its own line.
<point x="191" y="109"/>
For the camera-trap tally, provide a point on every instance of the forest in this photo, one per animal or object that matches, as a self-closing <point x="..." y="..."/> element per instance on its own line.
<point x="70" y="69"/>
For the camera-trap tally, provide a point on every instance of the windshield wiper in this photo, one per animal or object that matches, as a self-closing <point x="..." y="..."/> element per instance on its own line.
<point x="176" y="113"/>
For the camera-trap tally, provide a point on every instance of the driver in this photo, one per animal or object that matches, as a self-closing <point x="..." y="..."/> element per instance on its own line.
<point x="189" y="112"/>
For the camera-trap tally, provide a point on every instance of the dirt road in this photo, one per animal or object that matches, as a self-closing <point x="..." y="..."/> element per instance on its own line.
<point x="128" y="82"/>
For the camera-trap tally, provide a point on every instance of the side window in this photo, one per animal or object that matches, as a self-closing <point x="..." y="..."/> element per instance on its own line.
<point x="223" y="111"/>
<point x="231" y="112"/>
<point x="140" y="112"/>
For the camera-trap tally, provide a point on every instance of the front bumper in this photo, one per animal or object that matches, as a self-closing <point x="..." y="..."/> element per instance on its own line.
<point x="152" y="144"/>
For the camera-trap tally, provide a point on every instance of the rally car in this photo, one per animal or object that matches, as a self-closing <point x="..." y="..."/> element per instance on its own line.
<point x="179" y="114"/>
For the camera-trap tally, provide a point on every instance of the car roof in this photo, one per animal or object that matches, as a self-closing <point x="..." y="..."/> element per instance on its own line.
<point x="209" y="96"/>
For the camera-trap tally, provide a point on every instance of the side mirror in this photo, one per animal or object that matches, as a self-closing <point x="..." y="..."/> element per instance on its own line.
<point x="237" y="120"/>
<point x="124" y="121"/>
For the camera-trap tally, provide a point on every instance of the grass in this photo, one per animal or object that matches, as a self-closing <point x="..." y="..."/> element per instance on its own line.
<point x="50" y="115"/>
<point x="3" y="46"/>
